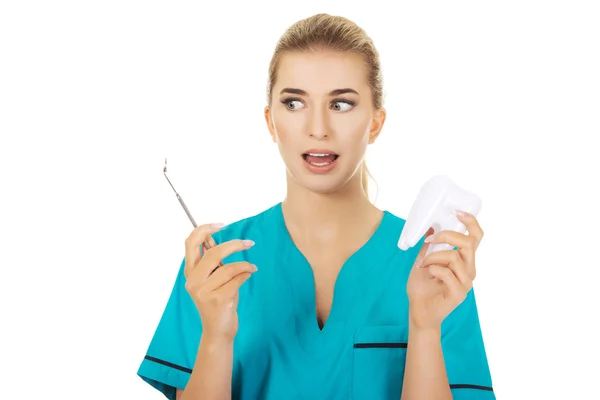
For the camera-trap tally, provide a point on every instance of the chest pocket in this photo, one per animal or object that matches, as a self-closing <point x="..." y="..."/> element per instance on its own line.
<point x="379" y="355"/>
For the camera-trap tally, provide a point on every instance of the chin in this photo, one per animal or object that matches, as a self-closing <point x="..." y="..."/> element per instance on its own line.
<point x="321" y="183"/>
<point x="323" y="187"/>
<point x="324" y="175"/>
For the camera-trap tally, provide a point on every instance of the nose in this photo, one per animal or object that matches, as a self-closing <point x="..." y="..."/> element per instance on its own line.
<point x="319" y="126"/>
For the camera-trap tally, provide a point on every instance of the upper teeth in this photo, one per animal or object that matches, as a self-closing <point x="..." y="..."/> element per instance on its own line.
<point x="318" y="155"/>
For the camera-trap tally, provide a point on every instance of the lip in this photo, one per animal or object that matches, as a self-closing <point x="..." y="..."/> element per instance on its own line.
<point x="321" y="169"/>
<point x="320" y="151"/>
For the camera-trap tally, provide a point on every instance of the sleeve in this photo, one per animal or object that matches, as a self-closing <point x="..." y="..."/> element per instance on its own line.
<point x="464" y="353"/>
<point x="171" y="355"/>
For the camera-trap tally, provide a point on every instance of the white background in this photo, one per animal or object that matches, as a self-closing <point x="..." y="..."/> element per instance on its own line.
<point x="501" y="96"/>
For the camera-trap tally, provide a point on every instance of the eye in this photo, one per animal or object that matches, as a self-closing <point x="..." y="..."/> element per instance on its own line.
<point x="292" y="104"/>
<point x="342" y="105"/>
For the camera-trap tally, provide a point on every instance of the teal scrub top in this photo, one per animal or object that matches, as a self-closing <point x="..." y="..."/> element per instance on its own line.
<point x="279" y="350"/>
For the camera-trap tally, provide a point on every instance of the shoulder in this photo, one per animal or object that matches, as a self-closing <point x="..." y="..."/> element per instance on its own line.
<point x="396" y="219"/>
<point x="264" y="222"/>
<point x="391" y="229"/>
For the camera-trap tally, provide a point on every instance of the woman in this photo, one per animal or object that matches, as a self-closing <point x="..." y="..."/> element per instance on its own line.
<point x="336" y="310"/>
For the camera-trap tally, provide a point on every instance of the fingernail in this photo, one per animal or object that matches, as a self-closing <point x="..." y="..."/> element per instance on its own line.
<point x="429" y="239"/>
<point x="217" y="225"/>
<point x="248" y="243"/>
<point x="254" y="268"/>
<point x="419" y="262"/>
<point x="461" y="214"/>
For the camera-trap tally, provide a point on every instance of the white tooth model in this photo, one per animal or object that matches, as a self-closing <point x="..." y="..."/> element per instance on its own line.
<point x="435" y="207"/>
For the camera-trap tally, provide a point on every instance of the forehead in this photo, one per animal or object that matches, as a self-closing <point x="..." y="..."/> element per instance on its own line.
<point x="320" y="71"/>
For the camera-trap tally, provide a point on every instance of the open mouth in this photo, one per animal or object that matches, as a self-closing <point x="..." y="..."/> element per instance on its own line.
<point x="320" y="159"/>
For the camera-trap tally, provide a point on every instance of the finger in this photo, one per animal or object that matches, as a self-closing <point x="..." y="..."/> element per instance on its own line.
<point x="215" y="255"/>
<point x="211" y="241"/>
<point x="208" y="244"/>
<point x="424" y="248"/>
<point x="231" y="288"/>
<point x="451" y="259"/>
<point x="226" y="294"/>
<point x="455" y="239"/>
<point x="455" y="289"/>
<point x="472" y="226"/>
<point x="466" y="245"/>
<point x="193" y="245"/>
<point x="226" y="273"/>
<point x="429" y="276"/>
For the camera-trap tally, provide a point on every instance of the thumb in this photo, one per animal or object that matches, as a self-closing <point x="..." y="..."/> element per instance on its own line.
<point x="425" y="246"/>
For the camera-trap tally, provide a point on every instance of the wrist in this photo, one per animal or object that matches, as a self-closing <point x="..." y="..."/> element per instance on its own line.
<point x="432" y="332"/>
<point x="420" y="326"/>
<point x="215" y="343"/>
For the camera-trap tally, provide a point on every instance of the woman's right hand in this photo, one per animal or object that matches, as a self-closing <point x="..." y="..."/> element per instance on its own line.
<point x="215" y="289"/>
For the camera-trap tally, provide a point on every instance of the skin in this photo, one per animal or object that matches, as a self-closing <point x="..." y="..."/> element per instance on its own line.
<point x="325" y="212"/>
<point x="330" y="211"/>
<point x="437" y="284"/>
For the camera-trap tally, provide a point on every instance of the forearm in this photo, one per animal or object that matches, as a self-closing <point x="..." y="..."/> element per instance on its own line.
<point x="211" y="376"/>
<point x="425" y="373"/>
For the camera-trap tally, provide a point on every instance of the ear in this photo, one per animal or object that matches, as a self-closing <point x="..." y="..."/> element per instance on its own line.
<point x="270" y="124"/>
<point x="376" y="124"/>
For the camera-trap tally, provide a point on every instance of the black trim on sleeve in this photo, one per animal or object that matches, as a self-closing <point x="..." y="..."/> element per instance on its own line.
<point x="467" y="386"/>
<point x="168" y="364"/>
<point x="380" y="345"/>
<point x="356" y="345"/>
<point x="399" y="345"/>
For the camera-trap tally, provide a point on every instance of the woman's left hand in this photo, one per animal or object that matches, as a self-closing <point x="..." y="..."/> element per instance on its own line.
<point x="439" y="282"/>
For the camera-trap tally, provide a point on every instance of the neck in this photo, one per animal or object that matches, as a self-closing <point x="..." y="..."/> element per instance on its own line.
<point x="331" y="214"/>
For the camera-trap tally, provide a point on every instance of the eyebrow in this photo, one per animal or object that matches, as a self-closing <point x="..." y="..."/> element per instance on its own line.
<point x="335" y="92"/>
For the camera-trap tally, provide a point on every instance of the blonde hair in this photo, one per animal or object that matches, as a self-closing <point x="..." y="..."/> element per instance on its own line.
<point x="334" y="33"/>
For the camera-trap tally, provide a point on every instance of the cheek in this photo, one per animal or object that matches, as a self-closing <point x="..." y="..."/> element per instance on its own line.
<point x="354" y="132"/>
<point x="284" y="137"/>
<point x="285" y="128"/>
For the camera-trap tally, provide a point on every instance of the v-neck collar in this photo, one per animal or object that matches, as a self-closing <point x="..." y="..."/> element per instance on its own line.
<point x="313" y="340"/>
